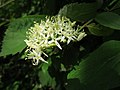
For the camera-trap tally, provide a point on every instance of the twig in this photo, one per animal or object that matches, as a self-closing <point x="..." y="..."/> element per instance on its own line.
<point x="6" y="3"/>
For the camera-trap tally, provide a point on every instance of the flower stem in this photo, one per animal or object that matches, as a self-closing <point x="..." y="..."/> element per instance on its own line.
<point x="84" y="25"/>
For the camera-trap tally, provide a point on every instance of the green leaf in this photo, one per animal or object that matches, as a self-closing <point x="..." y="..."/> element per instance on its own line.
<point x="116" y="61"/>
<point x="99" y="30"/>
<point x="100" y="70"/>
<point x="16" y="33"/>
<point x="109" y="19"/>
<point x="45" y="78"/>
<point x="13" y="86"/>
<point x="79" y="12"/>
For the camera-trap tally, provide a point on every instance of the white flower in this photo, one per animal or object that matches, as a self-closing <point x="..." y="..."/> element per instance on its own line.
<point x="50" y="33"/>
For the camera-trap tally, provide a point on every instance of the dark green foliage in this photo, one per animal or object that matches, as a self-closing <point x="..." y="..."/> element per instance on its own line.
<point x="79" y="12"/>
<point x="99" y="30"/>
<point x="98" y="71"/>
<point x="90" y="64"/>
<point x="109" y="19"/>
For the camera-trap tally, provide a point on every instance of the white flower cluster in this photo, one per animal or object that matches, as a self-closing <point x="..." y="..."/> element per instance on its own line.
<point x="50" y="33"/>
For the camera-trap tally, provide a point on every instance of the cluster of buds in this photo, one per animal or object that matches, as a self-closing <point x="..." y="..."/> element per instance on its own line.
<point x="51" y="32"/>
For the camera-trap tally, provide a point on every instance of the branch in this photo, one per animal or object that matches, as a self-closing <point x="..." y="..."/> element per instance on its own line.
<point x="6" y="3"/>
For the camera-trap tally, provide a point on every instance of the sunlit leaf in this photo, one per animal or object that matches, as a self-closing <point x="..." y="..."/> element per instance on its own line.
<point x="16" y="33"/>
